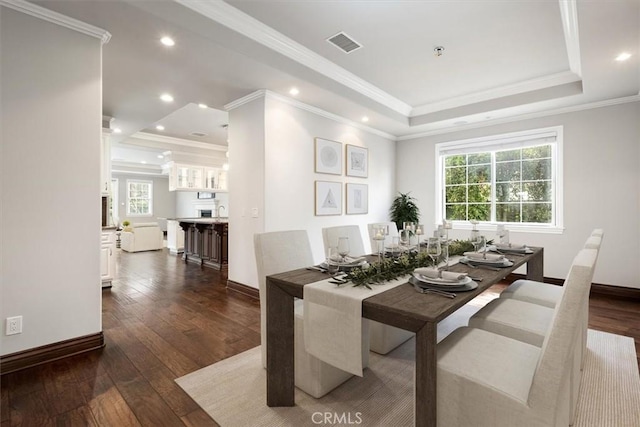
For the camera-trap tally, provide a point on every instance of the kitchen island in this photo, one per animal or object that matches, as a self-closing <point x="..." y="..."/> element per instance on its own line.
<point x="206" y="241"/>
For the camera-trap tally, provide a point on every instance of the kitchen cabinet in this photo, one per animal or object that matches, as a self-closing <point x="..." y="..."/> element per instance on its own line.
<point x="206" y="242"/>
<point x="107" y="261"/>
<point x="196" y="178"/>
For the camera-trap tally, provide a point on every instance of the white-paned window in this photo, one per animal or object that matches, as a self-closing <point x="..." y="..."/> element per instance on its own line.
<point x="113" y="205"/>
<point x="513" y="179"/>
<point x="139" y="198"/>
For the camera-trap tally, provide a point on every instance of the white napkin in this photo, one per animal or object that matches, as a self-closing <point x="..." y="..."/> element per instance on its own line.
<point x="334" y="329"/>
<point x="509" y="246"/>
<point x="432" y="273"/>
<point x="347" y="261"/>
<point x="483" y="256"/>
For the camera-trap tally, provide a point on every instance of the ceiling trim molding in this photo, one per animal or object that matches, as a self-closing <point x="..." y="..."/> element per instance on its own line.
<point x="569" y="14"/>
<point x="176" y="141"/>
<point x="528" y="116"/>
<point x="235" y="19"/>
<point x="306" y="107"/>
<point x="57" y="18"/>
<point x="502" y="91"/>
<point x="245" y="99"/>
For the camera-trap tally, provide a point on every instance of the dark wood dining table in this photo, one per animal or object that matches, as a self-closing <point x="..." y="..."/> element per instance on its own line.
<point x="401" y="307"/>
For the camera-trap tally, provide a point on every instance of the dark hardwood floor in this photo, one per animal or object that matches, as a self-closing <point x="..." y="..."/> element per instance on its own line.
<point x="163" y="319"/>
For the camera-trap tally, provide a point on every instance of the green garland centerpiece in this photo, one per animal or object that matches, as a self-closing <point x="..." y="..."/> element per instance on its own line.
<point x="392" y="268"/>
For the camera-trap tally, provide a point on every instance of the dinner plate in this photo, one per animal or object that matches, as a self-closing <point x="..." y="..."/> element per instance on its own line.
<point x="441" y="282"/>
<point x="515" y="249"/>
<point x="494" y="263"/>
<point x="471" y="285"/>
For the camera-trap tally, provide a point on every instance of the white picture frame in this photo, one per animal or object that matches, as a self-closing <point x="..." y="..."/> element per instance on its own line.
<point x="357" y="159"/>
<point x="328" y="156"/>
<point x="328" y="198"/>
<point x="357" y="199"/>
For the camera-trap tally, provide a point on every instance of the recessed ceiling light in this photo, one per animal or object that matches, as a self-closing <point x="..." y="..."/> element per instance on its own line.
<point x="294" y="91"/>
<point x="144" y="162"/>
<point x="117" y="130"/>
<point x="160" y="156"/>
<point x="166" y="153"/>
<point x="166" y="97"/>
<point x="202" y="105"/>
<point x="365" y="119"/>
<point x="167" y="41"/>
<point x="623" y="56"/>
<point x="160" y="127"/>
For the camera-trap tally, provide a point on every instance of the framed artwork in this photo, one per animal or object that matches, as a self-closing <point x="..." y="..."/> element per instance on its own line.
<point x="357" y="161"/>
<point x="328" y="198"/>
<point x="357" y="199"/>
<point x="328" y="156"/>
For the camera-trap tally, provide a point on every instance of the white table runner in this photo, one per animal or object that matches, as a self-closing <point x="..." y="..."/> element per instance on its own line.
<point x="333" y="321"/>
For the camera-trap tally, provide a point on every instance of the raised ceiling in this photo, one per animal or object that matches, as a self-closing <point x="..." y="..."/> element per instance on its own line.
<point x="500" y="59"/>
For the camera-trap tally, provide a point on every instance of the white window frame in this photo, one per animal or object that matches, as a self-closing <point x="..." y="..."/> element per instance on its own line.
<point x="504" y="141"/>
<point x="140" y="181"/>
<point x="115" y="201"/>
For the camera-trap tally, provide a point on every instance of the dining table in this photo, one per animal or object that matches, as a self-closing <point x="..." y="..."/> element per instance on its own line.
<point x="401" y="306"/>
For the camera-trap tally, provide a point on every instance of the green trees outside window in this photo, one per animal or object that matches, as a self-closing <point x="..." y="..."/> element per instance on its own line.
<point x="513" y="185"/>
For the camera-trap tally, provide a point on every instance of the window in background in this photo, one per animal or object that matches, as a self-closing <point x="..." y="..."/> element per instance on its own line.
<point x="513" y="179"/>
<point x="113" y="203"/>
<point x="139" y="198"/>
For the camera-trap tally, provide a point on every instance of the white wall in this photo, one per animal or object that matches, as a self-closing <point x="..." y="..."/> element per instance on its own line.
<point x="246" y="187"/>
<point x="164" y="201"/>
<point x="275" y="141"/>
<point x="290" y="175"/>
<point x="187" y="203"/>
<point x="51" y="130"/>
<point x="601" y="187"/>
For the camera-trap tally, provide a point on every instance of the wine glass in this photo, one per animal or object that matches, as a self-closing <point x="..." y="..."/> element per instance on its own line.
<point x="434" y="250"/>
<point x="343" y="247"/>
<point x="332" y="266"/>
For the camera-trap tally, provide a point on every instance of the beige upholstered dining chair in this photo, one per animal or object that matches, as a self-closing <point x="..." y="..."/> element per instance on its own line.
<point x="487" y="379"/>
<point x="529" y="322"/>
<point x="277" y="252"/>
<point x="382" y="338"/>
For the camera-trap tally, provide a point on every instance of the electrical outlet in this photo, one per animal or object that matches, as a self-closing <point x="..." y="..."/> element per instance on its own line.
<point x="254" y="212"/>
<point x="14" y="325"/>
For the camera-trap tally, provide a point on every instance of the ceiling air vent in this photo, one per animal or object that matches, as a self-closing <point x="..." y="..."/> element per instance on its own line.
<point x="200" y="134"/>
<point x="344" y="42"/>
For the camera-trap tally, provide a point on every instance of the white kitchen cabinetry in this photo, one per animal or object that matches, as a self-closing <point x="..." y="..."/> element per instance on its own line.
<point x="107" y="261"/>
<point x="196" y="178"/>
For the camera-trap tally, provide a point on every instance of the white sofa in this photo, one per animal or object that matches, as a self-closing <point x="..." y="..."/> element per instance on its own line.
<point x="145" y="236"/>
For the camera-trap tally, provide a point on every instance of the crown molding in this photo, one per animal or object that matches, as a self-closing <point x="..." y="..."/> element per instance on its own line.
<point x="502" y="91"/>
<point x="569" y="14"/>
<point x="57" y="18"/>
<point x="306" y="107"/>
<point x="177" y="141"/>
<point x="528" y="116"/>
<point x="245" y="99"/>
<point x="235" y="19"/>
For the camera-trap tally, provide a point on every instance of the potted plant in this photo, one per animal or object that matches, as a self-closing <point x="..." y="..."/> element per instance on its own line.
<point x="404" y="209"/>
<point x="125" y="225"/>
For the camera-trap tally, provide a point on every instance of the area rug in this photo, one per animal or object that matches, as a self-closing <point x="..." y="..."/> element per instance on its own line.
<point x="232" y="391"/>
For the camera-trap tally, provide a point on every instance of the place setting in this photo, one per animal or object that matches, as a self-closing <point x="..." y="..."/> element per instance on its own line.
<point x="445" y="283"/>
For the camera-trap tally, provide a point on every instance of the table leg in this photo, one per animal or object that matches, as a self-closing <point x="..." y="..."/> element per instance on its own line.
<point x="535" y="267"/>
<point x="280" y="357"/>
<point x="425" y="404"/>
